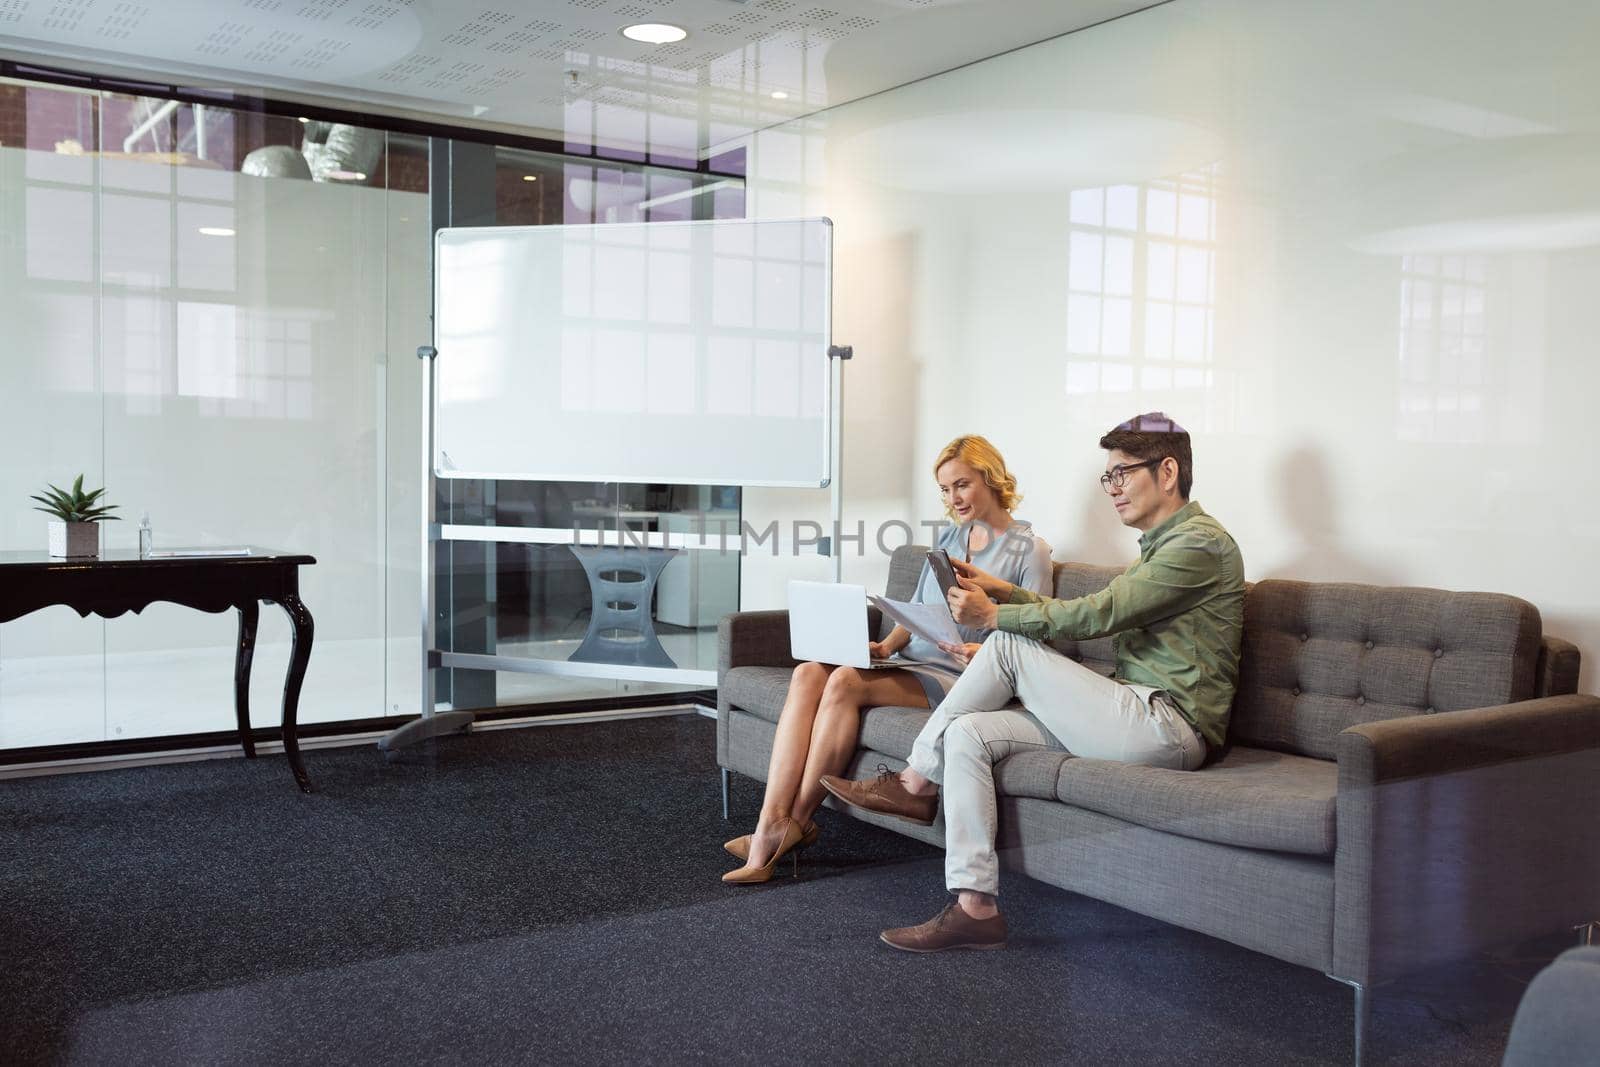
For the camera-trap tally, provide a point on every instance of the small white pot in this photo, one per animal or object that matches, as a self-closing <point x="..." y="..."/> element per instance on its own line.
<point x="73" y="540"/>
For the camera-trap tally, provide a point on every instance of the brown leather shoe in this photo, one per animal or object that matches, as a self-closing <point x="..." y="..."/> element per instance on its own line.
<point x="951" y="928"/>
<point x="884" y="795"/>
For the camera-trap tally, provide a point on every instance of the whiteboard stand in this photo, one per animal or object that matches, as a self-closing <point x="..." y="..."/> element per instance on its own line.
<point x="436" y="723"/>
<point x="837" y="354"/>
<point x="433" y="723"/>
<point x="805" y="446"/>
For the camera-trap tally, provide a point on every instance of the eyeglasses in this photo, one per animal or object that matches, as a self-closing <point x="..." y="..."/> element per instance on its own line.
<point x="1117" y="476"/>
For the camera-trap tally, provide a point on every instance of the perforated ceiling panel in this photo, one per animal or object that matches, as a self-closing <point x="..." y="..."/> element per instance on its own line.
<point x="549" y="66"/>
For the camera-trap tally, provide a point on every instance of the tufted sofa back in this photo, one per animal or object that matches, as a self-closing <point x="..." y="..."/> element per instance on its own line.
<point x="1080" y="579"/>
<point x="1320" y="657"/>
<point x="905" y="569"/>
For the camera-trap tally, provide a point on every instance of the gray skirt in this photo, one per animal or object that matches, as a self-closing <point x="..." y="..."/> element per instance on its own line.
<point x="936" y="678"/>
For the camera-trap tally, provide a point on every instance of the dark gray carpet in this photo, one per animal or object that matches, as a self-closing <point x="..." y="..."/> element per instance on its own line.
<point x="552" y="894"/>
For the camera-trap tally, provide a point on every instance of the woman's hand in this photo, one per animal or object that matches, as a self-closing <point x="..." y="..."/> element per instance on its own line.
<point x="995" y="588"/>
<point x="892" y="642"/>
<point x="964" y="653"/>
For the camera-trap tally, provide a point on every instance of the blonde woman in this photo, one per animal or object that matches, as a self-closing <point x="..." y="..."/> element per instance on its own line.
<point x="822" y="715"/>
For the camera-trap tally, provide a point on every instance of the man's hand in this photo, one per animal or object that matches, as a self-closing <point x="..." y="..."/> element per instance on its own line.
<point x="962" y="652"/>
<point x="878" y="650"/>
<point x="971" y="606"/>
<point x="995" y="588"/>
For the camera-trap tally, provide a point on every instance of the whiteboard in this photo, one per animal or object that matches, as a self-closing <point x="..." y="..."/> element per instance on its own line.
<point x="668" y="352"/>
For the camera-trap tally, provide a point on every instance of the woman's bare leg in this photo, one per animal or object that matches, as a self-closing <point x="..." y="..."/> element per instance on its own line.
<point x="790" y="746"/>
<point x="792" y="741"/>
<point x="838" y="724"/>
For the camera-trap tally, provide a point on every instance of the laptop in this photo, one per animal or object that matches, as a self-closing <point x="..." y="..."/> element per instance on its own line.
<point x="828" y="624"/>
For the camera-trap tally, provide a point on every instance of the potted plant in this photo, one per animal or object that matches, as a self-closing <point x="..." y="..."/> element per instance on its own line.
<point x="74" y="532"/>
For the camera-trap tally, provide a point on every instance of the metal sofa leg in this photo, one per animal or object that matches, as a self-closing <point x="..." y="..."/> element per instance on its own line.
<point x="1586" y="931"/>
<point x="724" y="794"/>
<point x="1363" y="1015"/>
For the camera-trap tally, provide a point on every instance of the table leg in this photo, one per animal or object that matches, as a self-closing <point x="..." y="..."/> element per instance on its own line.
<point x="248" y="614"/>
<point x="299" y="656"/>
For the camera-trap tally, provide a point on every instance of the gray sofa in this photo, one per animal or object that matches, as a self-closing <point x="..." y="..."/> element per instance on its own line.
<point x="1410" y="777"/>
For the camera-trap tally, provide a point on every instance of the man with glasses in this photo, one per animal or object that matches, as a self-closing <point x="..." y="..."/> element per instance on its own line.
<point x="1177" y="613"/>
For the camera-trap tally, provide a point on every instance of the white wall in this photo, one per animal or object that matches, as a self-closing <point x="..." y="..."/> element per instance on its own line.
<point x="260" y="388"/>
<point x="1380" y="332"/>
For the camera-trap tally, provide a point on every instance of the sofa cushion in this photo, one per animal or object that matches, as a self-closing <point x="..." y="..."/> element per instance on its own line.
<point x="758" y="690"/>
<point x="1321" y="657"/>
<point x="1027" y="774"/>
<point x="1030" y="774"/>
<point x="1252" y="797"/>
<point x="891" y="730"/>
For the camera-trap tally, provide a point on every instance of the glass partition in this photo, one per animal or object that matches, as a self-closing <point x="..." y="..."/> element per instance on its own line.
<point x="214" y="314"/>
<point x="203" y="302"/>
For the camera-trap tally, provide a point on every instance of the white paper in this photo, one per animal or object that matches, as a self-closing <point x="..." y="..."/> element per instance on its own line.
<point x="931" y="622"/>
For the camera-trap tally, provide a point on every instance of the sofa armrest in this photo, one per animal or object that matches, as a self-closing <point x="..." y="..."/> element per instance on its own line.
<point x="1464" y="830"/>
<point x="746" y="639"/>
<point x="1414" y="745"/>
<point x="1557" y="673"/>
<point x="761" y="639"/>
<point x="753" y="639"/>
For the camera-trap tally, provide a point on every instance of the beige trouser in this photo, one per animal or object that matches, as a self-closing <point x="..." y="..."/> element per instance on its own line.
<point x="1068" y="707"/>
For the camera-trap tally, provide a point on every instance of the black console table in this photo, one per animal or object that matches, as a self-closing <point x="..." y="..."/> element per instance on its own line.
<point x="118" y="582"/>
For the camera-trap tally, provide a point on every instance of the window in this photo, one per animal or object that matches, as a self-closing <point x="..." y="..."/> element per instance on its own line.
<point x="1141" y="285"/>
<point x="1444" y="348"/>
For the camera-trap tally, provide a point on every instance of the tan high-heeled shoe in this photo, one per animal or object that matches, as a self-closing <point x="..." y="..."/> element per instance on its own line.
<point x="739" y="847"/>
<point x="748" y="875"/>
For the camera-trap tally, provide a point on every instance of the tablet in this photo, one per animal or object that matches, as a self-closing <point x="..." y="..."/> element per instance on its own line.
<point x="943" y="572"/>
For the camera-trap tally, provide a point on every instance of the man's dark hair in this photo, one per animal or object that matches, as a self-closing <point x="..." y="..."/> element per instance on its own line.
<point x="1154" y="436"/>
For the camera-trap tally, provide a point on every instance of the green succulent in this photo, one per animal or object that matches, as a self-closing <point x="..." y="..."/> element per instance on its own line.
<point x="76" y="506"/>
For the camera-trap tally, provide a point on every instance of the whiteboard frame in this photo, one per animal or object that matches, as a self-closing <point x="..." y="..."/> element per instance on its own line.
<point x="830" y="414"/>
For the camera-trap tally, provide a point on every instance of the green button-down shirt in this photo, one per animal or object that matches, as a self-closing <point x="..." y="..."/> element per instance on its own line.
<point x="1177" y="613"/>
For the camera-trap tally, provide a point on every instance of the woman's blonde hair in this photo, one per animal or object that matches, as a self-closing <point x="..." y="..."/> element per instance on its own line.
<point x="977" y="453"/>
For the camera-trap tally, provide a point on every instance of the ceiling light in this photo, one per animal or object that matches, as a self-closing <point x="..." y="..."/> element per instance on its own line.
<point x="530" y="177"/>
<point x="779" y="94"/>
<point x="304" y="119"/>
<point x="216" y="231"/>
<point x="655" y="33"/>
<point x="345" y="176"/>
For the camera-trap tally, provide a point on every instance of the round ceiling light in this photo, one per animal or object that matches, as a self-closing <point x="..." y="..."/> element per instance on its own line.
<point x="779" y="94"/>
<point x="655" y="33"/>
